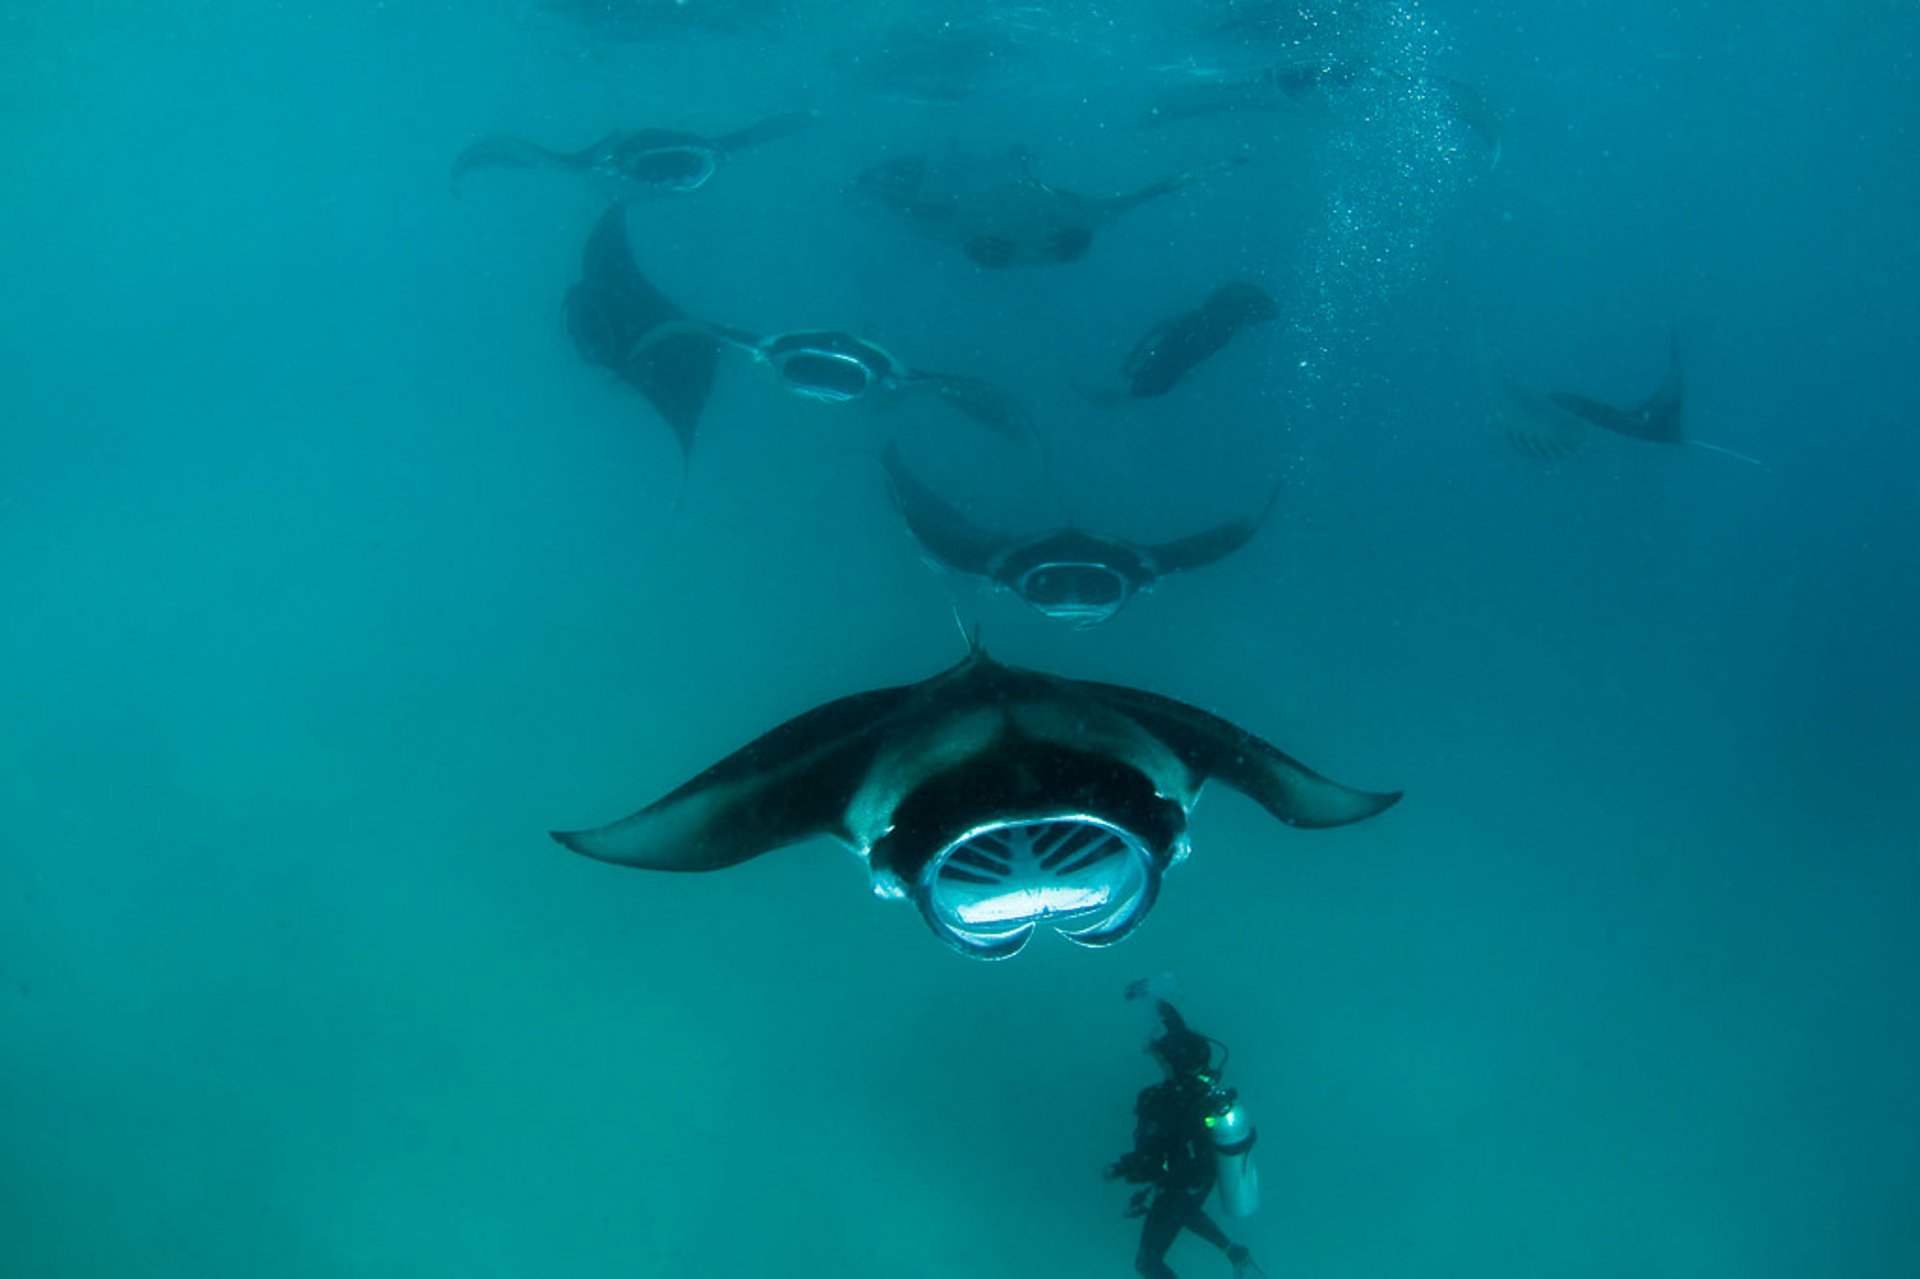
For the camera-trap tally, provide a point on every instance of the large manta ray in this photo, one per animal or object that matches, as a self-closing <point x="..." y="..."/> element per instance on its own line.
<point x="997" y="211"/>
<point x="633" y="161"/>
<point x="1066" y="573"/>
<point x="997" y="799"/>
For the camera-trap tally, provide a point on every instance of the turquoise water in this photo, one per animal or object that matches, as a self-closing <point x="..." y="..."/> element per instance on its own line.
<point x="333" y="579"/>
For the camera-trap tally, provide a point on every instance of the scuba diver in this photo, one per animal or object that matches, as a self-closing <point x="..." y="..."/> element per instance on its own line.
<point x="1190" y="1134"/>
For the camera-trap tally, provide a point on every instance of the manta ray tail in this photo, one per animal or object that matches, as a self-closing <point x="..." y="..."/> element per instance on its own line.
<point x="502" y="152"/>
<point x="1715" y="448"/>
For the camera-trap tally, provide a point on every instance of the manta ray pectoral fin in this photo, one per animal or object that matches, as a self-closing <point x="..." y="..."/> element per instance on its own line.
<point x="1657" y="419"/>
<point x="1535" y="426"/>
<point x="1598" y="413"/>
<point x="619" y="319"/>
<point x="1208" y="545"/>
<point x="1070" y="244"/>
<point x="984" y="403"/>
<point x="786" y="786"/>
<point x="1167" y="186"/>
<point x="1214" y="748"/>
<point x="502" y="152"/>
<point x="993" y="251"/>
<point x="675" y="373"/>
<point x="1545" y="448"/>
<point x="769" y="130"/>
<point x="947" y="535"/>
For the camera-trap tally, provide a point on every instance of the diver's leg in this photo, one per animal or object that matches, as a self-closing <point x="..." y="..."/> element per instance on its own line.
<point x="1157" y="1233"/>
<point x="1208" y="1229"/>
<point x="1201" y="1224"/>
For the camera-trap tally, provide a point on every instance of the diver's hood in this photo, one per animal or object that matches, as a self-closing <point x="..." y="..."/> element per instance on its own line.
<point x="1001" y="844"/>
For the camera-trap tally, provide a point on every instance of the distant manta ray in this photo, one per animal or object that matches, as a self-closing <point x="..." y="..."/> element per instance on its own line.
<point x="1172" y="348"/>
<point x="618" y="319"/>
<point x="1558" y="424"/>
<point x="1064" y="573"/>
<point x="1313" y="83"/>
<point x="634" y="161"/>
<point x="998" y="212"/>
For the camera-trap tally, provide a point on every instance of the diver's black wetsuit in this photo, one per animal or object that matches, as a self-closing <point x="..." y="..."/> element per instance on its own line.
<point x="1172" y="1156"/>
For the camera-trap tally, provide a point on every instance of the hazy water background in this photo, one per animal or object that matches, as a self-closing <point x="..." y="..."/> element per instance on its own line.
<point x="332" y="579"/>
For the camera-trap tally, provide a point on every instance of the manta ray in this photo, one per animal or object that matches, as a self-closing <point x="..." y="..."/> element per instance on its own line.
<point x="1559" y="424"/>
<point x="1316" y="84"/>
<point x="998" y="212"/>
<point x="1065" y="573"/>
<point x="1172" y="348"/>
<point x="634" y="162"/>
<point x="996" y="799"/>
<point x="619" y="319"/>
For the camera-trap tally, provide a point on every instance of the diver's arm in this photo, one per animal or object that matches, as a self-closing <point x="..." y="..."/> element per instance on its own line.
<point x="1151" y="1140"/>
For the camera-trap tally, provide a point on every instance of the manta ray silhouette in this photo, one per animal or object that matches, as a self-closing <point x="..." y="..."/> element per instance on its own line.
<point x="620" y="320"/>
<point x="635" y="162"/>
<point x="996" y="209"/>
<point x="1172" y="348"/>
<point x="1065" y="573"/>
<point x="1559" y="424"/>
<point x="997" y="799"/>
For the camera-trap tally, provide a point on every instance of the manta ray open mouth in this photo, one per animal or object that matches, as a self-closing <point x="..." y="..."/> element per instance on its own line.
<point x="672" y="168"/>
<point x="1085" y="594"/>
<point x="987" y="890"/>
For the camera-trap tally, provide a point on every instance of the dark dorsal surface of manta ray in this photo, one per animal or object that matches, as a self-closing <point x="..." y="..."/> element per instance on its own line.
<point x="634" y="162"/>
<point x="996" y="799"/>
<point x="1175" y="346"/>
<point x="998" y="212"/>
<point x="619" y="320"/>
<point x="1655" y="419"/>
<point x="1559" y="424"/>
<point x="1065" y="573"/>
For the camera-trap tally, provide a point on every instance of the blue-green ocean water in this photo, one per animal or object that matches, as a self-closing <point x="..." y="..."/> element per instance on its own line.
<point x="331" y="578"/>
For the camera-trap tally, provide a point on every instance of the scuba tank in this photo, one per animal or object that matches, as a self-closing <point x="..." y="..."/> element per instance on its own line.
<point x="1231" y="1134"/>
